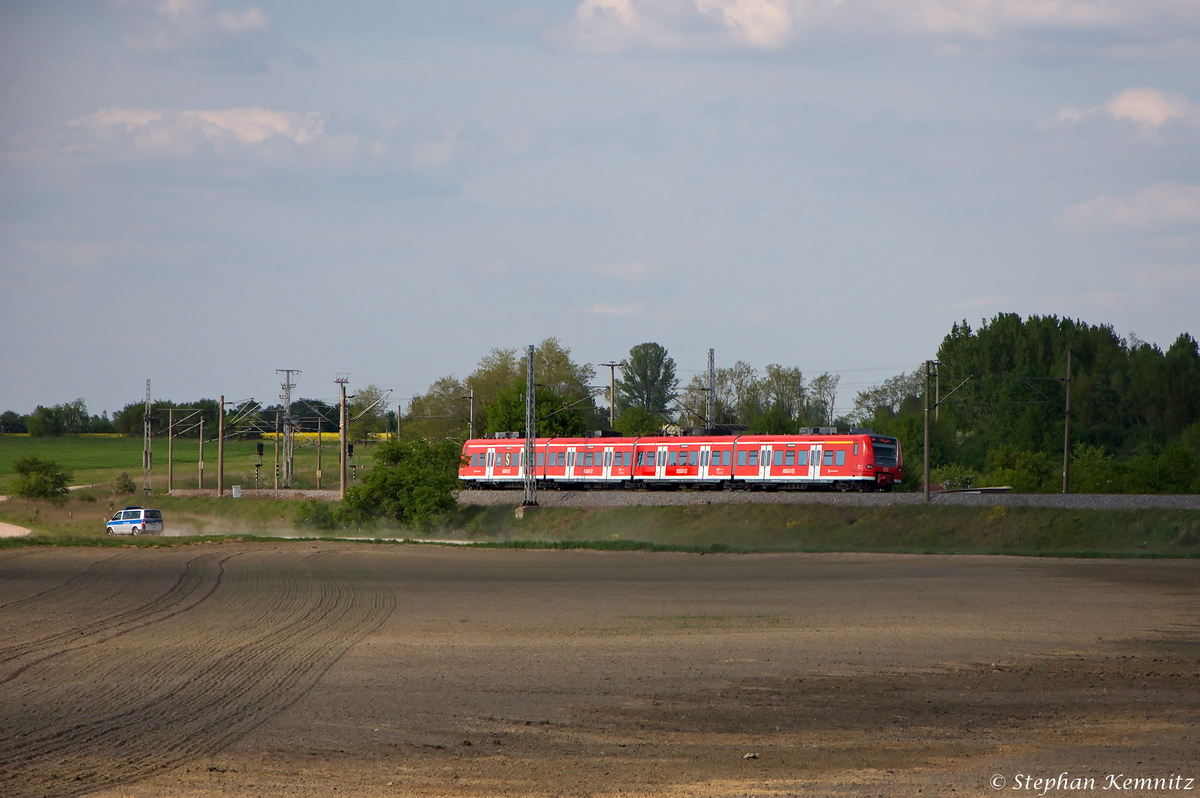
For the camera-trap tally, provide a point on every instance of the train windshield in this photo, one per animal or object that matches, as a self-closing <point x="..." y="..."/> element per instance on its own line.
<point x="885" y="454"/>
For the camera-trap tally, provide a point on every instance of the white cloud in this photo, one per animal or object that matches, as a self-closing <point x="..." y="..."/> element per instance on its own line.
<point x="194" y="31"/>
<point x="1148" y="109"/>
<point x="1165" y="204"/>
<point x="616" y="25"/>
<point x="181" y="133"/>
<point x="614" y="310"/>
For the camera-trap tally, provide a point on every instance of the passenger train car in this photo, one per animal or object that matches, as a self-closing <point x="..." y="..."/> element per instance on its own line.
<point x="859" y="461"/>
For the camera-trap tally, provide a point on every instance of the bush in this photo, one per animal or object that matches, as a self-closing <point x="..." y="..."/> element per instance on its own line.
<point x="954" y="477"/>
<point x="39" y="479"/>
<point x="123" y="484"/>
<point x="314" y="514"/>
<point x="412" y="482"/>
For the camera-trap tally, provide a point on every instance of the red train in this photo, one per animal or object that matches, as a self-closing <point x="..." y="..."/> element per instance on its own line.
<point x="857" y="460"/>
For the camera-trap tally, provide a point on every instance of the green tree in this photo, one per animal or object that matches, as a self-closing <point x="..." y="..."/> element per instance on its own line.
<point x="648" y="380"/>
<point x="556" y="418"/>
<point x="11" y="422"/>
<point x="413" y="482"/>
<point x="369" y="407"/>
<point x="39" y="479"/>
<point x="636" y="422"/>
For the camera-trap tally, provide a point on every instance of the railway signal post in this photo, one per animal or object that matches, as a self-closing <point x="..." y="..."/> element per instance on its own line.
<point x="530" y="436"/>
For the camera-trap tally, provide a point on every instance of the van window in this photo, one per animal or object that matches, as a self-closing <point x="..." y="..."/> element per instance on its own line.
<point x="131" y="515"/>
<point x="154" y="514"/>
<point x="841" y="457"/>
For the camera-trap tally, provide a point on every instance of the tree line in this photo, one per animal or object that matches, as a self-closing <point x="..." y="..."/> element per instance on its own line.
<point x="649" y="397"/>
<point x="1135" y="409"/>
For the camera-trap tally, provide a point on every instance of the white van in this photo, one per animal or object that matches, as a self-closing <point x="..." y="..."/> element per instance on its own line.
<point x="134" y="521"/>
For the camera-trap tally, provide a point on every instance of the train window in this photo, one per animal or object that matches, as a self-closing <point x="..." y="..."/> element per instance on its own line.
<point x="703" y="458"/>
<point x="742" y="458"/>
<point x="841" y="457"/>
<point x="725" y="457"/>
<point x="802" y="457"/>
<point x="693" y="458"/>
<point x="517" y="459"/>
<point x="587" y="459"/>
<point x="828" y="457"/>
<point x="754" y="457"/>
<point x="779" y="458"/>
<point x="570" y="458"/>
<point x="491" y="458"/>
<point x="856" y="450"/>
<point x="790" y="458"/>
<point x="671" y="458"/>
<point x="650" y="458"/>
<point x="541" y="459"/>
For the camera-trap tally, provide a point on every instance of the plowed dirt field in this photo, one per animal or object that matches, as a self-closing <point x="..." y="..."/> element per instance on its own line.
<point x="320" y="668"/>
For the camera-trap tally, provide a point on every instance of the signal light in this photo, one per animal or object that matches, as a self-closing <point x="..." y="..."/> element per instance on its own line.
<point x="260" y="450"/>
<point x="350" y="449"/>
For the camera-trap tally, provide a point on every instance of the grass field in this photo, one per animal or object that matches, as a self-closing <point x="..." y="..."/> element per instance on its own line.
<point x="710" y="528"/>
<point x="97" y="460"/>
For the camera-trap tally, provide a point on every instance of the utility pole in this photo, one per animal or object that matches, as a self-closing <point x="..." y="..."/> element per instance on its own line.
<point x="289" y="424"/>
<point x="472" y="398"/>
<point x="170" y="450"/>
<point x="612" y="392"/>
<point x="1066" y="488"/>
<point x="925" y="456"/>
<point x="221" y="446"/>
<point x="320" y="431"/>
<point x="342" y="440"/>
<point x="530" y="435"/>
<point x="147" y="438"/>
<point x="201" y="459"/>
<point x="276" y="436"/>
<point x="937" y="393"/>
<point x="712" y="389"/>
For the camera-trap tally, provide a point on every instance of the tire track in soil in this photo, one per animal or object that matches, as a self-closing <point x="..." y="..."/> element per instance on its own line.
<point x="198" y="579"/>
<point x="257" y="645"/>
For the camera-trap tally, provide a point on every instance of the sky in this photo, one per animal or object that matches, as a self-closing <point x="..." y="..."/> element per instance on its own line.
<point x="200" y="192"/>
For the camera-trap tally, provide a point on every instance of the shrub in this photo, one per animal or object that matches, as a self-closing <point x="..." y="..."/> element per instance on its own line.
<point x="39" y="479"/>
<point x="954" y="477"/>
<point x="412" y="482"/>
<point x="314" y="514"/>
<point x="123" y="484"/>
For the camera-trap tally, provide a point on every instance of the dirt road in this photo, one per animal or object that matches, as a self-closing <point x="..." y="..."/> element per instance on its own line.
<point x="317" y="669"/>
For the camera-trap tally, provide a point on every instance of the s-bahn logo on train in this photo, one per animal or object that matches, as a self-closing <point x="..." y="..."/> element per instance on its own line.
<point x="823" y="458"/>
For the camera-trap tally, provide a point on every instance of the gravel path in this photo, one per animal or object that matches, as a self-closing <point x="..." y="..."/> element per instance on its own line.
<point x="1075" y="501"/>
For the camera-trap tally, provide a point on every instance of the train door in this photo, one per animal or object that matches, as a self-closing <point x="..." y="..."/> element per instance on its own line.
<point x="764" y="463"/>
<point x="608" y="463"/>
<point x="571" y="455"/>
<point x="661" y="470"/>
<point x="489" y="463"/>
<point x="814" y="461"/>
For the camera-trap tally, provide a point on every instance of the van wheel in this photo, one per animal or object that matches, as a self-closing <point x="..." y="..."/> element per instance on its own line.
<point x="109" y="530"/>
<point x="135" y="531"/>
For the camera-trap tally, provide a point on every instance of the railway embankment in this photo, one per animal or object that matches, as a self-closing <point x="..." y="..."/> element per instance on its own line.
<point x="615" y="498"/>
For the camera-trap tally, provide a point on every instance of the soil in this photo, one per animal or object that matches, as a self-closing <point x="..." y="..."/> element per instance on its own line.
<point x="305" y="668"/>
